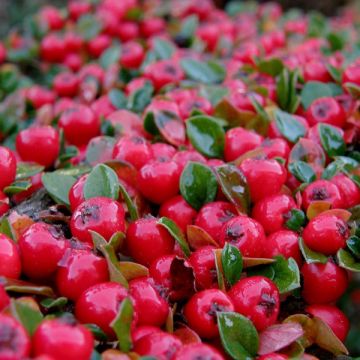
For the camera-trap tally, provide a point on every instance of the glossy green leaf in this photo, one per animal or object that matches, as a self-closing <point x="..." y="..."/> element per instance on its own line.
<point x="272" y="67"/>
<point x="214" y="93"/>
<point x="288" y="126"/>
<point x="163" y="49"/>
<point x="110" y="56"/>
<point x="29" y="317"/>
<point x="58" y="186"/>
<point x="188" y="27"/>
<point x="287" y="274"/>
<point x="347" y="261"/>
<point x="334" y="72"/>
<point x="296" y="221"/>
<point x="311" y="256"/>
<point x="302" y="171"/>
<point x="25" y="170"/>
<point x="331" y="140"/>
<point x="286" y="90"/>
<point x="122" y="325"/>
<point x="232" y="263"/>
<point x="6" y="228"/>
<point x="206" y="135"/>
<point x="140" y="98"/>
<point x="234" y="186"/>
<point x="198" y="184"/>
<point x="118" y="99"/>
<point x="130" y="204"/>
<point x="88" y="27"/>
<point x="17" y="187"/>
<point x="208" y="73"/>
<point x="25" y="287"/>
<point x="353" y="244"/>
<point x="102" y="181"/>
<point x="238" y="335"/>
<point x="97" y="332"/>
<point x="96" y="149"/>
<point x="54" y="303"/>
<point x="176" y="233"/>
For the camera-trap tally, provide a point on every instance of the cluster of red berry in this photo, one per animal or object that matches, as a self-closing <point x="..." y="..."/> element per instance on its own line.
<point x="178" y="182"/>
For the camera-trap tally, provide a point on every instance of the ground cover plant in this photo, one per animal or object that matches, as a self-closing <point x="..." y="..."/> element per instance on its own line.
<point x="179" y="182"/>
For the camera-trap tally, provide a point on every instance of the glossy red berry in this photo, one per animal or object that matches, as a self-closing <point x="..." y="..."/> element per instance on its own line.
<point x="4" y="298"/>
<point x="273" y="356"/>
<point x="14" y="341"/>
<point x="265" y="177"/>
<point x="79" y="124"/>
<point x="79" y="270"/>
<point x="52" y="17"/>
<point x="99" y="305"/>
<point x="178" y="210"/>
<point x="66" y="84"/>
<point x="200" y="311"/>
<point x="38" y="144"/>
<point x="285" y="243"/>
<point x="322" y="190"/>
<point x="350" y="192"/>
<point x="196" y="351"/>
<point x="257" y="298"/>
<point x="134" y="150"/>
<point x="62" y="339"/>
<point x="213" y="216"/>
<point x="246" y="234"/>
<point x="332" y="316"/>
<point x="272" y="212"/>
<point x="7" y="167"/>
<point x="323" y="283"/>
<point x="4" y="204"/>
<point x="10" y="265"/>
<point x="151" y="308"/>
<point x="41" y="247"/>
<point x="76" y="193"/>
<point x="351" y="74"/>
<point x="275" y="148"/>
<point x="158" y="181"/>
<point x="146" y="240"/>
<point x="160" y="345"/>
<point x="100" y="214"/>
<point x="52" y="48"/>
<point x="326" y="233"/>
<point x="188" y="105"/>
<point x="326" y="110"/>
<point x="132" y="55"/>
<point x="316" y="71"/>
<point x="183" y="157"/>
<point x="143" y="330"/>
<point x="97" y="45"/>
<point x="160" y="272"/>
<point x="238" y="141"/>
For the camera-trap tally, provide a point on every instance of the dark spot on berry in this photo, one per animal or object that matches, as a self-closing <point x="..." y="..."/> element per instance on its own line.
<point x="233" y="233"/>
<point x="268" y="303"/>
<point x="89" y="213"/>
<point x="227" y="215"/>
<point x="7" y="338"/>
<point x="321" y="110"/>
<point x="137" y="140"/>
<point x="341" y="228"/>
<point x="319" y="194"/>
<point x="170" y="69"/>
<point x="215" y="308"/>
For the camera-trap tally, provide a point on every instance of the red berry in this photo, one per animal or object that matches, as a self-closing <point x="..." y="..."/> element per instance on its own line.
<point x="163" y="151"/>
<point x="134" y="150"/>
<point x="322" y="190"/>
<point x="132" y="55"/>
<point x="257" y="298"/>
<point x="277" y="147"/>
<point x="273" y="211"/>
<point x="151" y="308"/>
<point x="200" y="311"/>
<point x="332" y="316"/>
<point x="316" y="71"/>
<point x="79" y="124"/>
<point x="4" y="204"/>
<point x="238" y="141"/>
<point x="350" y="192"/>
<point x="7" y="167"/>
<point x="196" y="351"/>
<point x="158" y="181"/>
<point x="151" y="26"/>
<point x="143" y="330"/>
<point x="323" y="283"/>
<point x="79" y="270"/>
<point x="213" y="216"/>
<point x="183" y="157"/>
<point x="52" y="48"/>
<point x="66" y="84"/>
<point x="246" y="234"/>
<point x="161" y="345"/>
<point x="273" y="356"/>
<point x="76" y="193"/>
<point x="146" y="240"/>
<point x="14" y="341"/>
<point x="78" y="8"/>
<point x="10" y="264"/>
<point x="351" y="74"/>
<point x="99" y="305"/>
<point x="159" y="270"/>
<point x="326" y="110"/>
<point x="40" y="96"/>
<point x="326" y="234"/>
<point x="265" y="177"/>
<point x="100" y="214"/>
<point x="62" y="340"/>
<point x="97" y="45"/>
<point x="41" y="247"/>
<point x="38" y="144"/>
<point x="52" y="17"/>
<point x="4" y="298"/>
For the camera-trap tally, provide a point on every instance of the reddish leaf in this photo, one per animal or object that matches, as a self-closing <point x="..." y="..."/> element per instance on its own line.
<point x="182" y="280"/>
<point x="187" y="336"/>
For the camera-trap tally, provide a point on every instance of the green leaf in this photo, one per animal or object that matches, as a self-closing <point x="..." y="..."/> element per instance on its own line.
<point x="122" y="325"/>
<point x="302" y="171"/>
<point x="26" y="170"/>
<point x="238" y="335"/>
<point x="163" y="49"/>
<point x="313" y="90"/>
<point x="198" y="184"/>
<point x="311" y="256"/>
<point x="286" y="90"/>
<point x="232" y="263"/>
<point x="130" y="204"/>
<point x="6" y="228"/>
<point x="353" y="244"/>
<point x="140" y="98"/>
<point x="208" y="73"/>
<point x="95" y="355"/>
<point x="96" y="149"/>
<point x="353" y="89"/>
<point x="272" y="67"/>
<point x="188" y="27"/>
<point x="54" y="303"/>
<point x="58" y="186"/>
<point x="288" y="126"/>
<point x="102" y="181"/>
<point x="331" y="140"/>
<point x="234" y="186"/>
<point x="176" y="233"/>
<point x="287" y="274"/>
<point x="110" y="56"/>
<point x="213" y="93"/>
<point x="88" y="27"/>
<point x="17" y="187"/>
<point x="334" y="72"/>
<point x="206" y="135"/>
<point x="296" y="220"/>
<point x="336" y="41"/>
<point x="30" y="318"/>
<point x="97" y="332"/>
<point x="347" y="261"/>
<point x="118" y="99"/>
